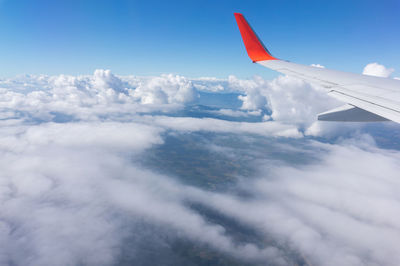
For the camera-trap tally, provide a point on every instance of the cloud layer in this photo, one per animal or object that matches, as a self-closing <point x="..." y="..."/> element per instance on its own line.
<point x="75" y="188"/>
<point x="335" y="211"/>
<point x="69" y="190"/>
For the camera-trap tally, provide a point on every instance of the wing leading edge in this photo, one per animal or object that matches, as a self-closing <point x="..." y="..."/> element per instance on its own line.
<point x="368" y="98"/>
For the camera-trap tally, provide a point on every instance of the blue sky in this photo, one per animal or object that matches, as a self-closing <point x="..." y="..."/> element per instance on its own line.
<point x="192" y="38"/>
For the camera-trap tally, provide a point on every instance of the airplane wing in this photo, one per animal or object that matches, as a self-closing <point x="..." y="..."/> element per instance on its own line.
<point x="367" y="98"/>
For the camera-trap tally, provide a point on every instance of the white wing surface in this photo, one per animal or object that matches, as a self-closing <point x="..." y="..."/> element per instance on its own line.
<point x="368" y="98"/>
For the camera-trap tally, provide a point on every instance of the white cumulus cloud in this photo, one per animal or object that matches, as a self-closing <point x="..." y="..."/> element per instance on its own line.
<point x="375" y="69"/>
<point x="290" y="100"/>
<point x="317" y="65"/>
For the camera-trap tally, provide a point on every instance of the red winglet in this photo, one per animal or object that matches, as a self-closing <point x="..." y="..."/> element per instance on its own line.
<point x="254" y="47"/>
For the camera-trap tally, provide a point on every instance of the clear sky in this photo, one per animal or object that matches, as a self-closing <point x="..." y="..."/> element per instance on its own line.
<point x="192" y="38"/>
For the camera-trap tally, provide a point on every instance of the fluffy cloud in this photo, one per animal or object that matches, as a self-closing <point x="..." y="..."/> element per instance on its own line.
<point x="375" y="69"/>
<point x="91" y="97"/>
<point x="210" y="84"/>
<point x="335" y="211"/>
<point x="68" y="191"/>
<point x="165" y="89"/>
<point x="317" y="65"/>
<point x="73" y="187"/>
<point x="54" y="211"/>
<point x="104" y="95"/>
<point x="290" y="101"/>
<point x="254" y="98"/>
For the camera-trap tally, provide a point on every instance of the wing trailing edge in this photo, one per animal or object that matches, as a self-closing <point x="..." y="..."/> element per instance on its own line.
<point x="350" y="113"/>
